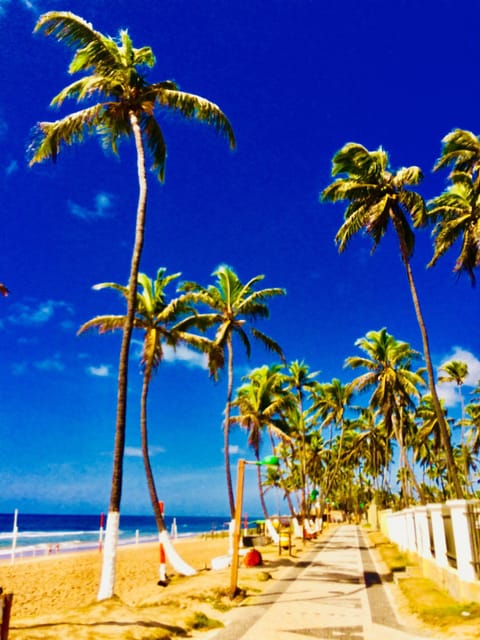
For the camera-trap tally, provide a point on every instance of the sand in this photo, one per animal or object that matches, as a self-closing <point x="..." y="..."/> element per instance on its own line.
<point x="55" y="595"/>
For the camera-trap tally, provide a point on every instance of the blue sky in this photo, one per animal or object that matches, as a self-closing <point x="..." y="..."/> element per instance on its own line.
<point x="297" y="79"/>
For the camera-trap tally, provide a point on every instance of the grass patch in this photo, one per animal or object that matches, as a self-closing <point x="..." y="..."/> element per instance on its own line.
<point x="199" y="620"/>
<point x="437" y="607"/>
<point x="391" y="555"/>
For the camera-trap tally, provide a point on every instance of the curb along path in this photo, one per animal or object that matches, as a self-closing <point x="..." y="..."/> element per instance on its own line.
<point x="336" y="592"/>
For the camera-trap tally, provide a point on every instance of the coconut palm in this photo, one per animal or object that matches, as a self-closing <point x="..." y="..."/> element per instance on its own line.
<point x="456" y="371"/>
<point x="377" y="196"/>
<point x="456" y="213"/>
<point x="389" y="376"/>
<point x="330" y="402"/>
<point x="231" y="306"/>
<point x="161" y="320"/>
<point x="259" y="401"/>
<point x="114" y="72"/>
<point x="301" y="381"/>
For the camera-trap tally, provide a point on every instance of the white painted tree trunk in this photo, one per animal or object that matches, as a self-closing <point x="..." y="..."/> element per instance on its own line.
<point x="107" y="580"/>
<point x="175" y="560"/>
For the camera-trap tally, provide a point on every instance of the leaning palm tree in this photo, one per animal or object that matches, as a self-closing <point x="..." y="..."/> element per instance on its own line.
<point x="260" y="401"/>
<point x="388" y="374"/>
<point x="161" y="320"/>
<point x="114" y="71"/>
<point x="231" y="306"/>
<point x="377" y="196"/>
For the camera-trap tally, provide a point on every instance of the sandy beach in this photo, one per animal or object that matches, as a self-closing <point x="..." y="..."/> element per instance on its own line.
<point x="55" y="596"/>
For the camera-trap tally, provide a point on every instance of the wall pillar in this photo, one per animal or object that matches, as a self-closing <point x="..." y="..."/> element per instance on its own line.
<point x="438" y="534"/>
<point x="463" y="545"/>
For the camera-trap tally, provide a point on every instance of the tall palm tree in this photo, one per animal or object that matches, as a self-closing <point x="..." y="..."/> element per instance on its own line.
<point x="115" y="72"/>
<point x="387" y="362"/>
<point x="231" y="306"/>
<point x="259" y="401"/>
<point x="330" y="402"/>
<point x="301" y="381"/>
<point x="161" y="320"/>
<point x="377" y="196"/>
<point x="456" y="371"/>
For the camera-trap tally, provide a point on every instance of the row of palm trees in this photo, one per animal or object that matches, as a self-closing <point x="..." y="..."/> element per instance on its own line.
<point x="333" y="448"/>
<point x="377" y="196"/>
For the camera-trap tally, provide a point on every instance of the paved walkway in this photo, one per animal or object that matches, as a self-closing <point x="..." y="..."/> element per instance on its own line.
<point x="335" y="592"/>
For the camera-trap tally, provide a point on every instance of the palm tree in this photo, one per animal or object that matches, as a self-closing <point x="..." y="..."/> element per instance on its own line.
<point x="114" y="71"/>
<point x="456" y="371"/>
<point x="260" y="400"/>
<point x="456" y="213"/>
<point x="301" y="381"/>
<point x="161" y="321"/>
<point x="377" y="195"/>
<point x="393" y="383"/>
<point x="231" y="306"/>
<point x="330" y="402"/>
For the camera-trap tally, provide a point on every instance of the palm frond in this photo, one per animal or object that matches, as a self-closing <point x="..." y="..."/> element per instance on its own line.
<point x="155" y="143"/>
<point x="103" y="324"/>
<point x="78" y="34"/>
<point x="270" y="344"/>
<point x="49" y="136"/>
<point x="194" y="107"/>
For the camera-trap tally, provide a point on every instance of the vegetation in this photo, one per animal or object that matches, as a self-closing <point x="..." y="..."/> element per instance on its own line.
<point x="341" y="444"/>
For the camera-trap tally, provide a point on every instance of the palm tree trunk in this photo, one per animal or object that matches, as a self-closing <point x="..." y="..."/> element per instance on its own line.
<point x="452" y="470"/>
<point x="107" y="580"/>
<point x="159" y="519"/>
<point x="175" y="560"/>
<point x="226" y="430"/>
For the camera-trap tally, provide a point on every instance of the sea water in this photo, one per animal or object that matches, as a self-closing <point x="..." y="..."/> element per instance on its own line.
<point x="41" y="534"/>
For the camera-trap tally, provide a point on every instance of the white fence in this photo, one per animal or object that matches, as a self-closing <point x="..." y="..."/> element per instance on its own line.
<point x="445" y="538"/>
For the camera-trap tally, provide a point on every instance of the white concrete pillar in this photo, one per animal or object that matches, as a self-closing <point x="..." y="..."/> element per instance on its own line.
<point x="411" y="542"/>
<point x="438" y="534"/>
<point x="421" y="529"/>
<point x="463" y="545"/>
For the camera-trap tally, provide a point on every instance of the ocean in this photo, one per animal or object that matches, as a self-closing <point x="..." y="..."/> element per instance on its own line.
<point x="41" y="534"/>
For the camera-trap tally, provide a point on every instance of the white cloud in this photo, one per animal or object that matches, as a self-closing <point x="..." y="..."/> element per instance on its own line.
<point x="102" y="371"/>
<point x="102" y="208"/>
<point x="136" y="452"/>
<point x="185" y="355"/>
<point x="37" y="313"/>
<point x="234" y="449"/>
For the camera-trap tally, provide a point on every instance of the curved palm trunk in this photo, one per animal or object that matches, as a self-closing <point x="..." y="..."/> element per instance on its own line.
<point x="226" y="430"/>
<point x="159" y="519"/>
<point x="107" y="580"/>
<point x="338" y="460"/>
<point x="451" y="468"/>
<point x="178" y="564"/>
<point x="397" y="429"/>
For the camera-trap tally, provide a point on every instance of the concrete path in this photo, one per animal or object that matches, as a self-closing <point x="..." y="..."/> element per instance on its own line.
<point x="335" y="592"/>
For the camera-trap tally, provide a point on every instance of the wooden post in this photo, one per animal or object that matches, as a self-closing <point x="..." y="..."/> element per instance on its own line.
<point x="5" y="608"/>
